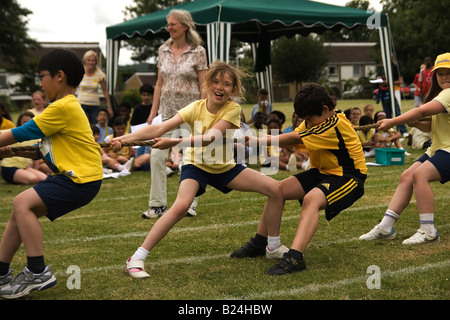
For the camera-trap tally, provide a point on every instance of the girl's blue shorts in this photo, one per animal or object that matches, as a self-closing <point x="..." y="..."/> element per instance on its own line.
<point x="441" y="161"/>
<point x="216" y="180"/>
<point x="61" y="195"/>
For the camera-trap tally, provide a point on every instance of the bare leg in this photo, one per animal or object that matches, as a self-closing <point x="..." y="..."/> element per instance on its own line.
<point x="422" y="189"/>
<point x="251" y="180"/>
<point x="23" y="226"/>
<point x="403" y="193"/>
<point x="186" y="193"/>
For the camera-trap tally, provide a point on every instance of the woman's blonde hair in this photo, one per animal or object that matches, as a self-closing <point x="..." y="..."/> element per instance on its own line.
<point x="90" y="53"/>
<point x="220" y="67"/>
<point x="185" y="18"/>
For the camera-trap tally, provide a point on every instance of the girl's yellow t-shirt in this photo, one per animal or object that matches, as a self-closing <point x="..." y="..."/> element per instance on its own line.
<point x="218" y="156"/>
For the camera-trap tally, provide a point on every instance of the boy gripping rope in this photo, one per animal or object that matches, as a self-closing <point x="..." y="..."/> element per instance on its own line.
<point x="68" y="147"/>
<point x="334" y="182"/>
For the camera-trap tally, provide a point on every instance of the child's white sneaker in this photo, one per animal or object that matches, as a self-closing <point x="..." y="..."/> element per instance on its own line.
<point x="277" y="253"/>
<point x="378" y="233"/>
<point x="421" y="236"/>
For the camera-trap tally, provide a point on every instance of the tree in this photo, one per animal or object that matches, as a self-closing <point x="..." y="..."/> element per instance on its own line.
<point x="418" y="30"/>
<point x="298" y="59"/>
<point x="359" y="34"/>
<point x="15" y="44"/>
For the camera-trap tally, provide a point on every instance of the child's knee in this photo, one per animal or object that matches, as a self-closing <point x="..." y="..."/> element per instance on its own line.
<point x="276" y="189"/>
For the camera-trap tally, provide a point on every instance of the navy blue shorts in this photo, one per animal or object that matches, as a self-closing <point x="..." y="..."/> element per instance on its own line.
<point x="441" y="161"/>
<point x="341" y="191"/>
<point x="61" y="195"/>
<point x="216" y="180"/>
<point x="8" y="173"/>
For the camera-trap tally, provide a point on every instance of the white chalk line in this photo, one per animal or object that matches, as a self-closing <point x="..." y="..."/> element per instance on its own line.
<point x="298" y="291"/>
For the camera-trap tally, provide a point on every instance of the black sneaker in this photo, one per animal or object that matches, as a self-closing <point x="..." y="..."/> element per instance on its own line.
<point x="287" y="265"/>
<point x="249" y="250"/>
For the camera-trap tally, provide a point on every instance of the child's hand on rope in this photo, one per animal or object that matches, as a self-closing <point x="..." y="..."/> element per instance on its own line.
<point x="385" y="124"/>
<point x="116" y="144"/>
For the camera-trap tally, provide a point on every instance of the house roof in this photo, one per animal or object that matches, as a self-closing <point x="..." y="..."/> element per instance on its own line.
<point x="351" y="52"/>
<point x="79" y="48"/>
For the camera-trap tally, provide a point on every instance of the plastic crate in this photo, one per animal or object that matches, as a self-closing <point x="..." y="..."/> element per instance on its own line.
<point x="389" y="156"/>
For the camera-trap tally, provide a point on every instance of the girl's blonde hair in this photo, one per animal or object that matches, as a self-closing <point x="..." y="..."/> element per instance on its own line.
<point x="220" y="67"/>
<point x="185" y="18"/>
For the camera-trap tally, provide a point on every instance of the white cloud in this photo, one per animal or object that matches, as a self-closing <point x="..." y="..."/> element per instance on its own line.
<point x="80" y="21"/>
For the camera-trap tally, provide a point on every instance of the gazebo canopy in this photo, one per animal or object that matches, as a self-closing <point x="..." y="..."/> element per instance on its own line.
<point x="254" y="21"/>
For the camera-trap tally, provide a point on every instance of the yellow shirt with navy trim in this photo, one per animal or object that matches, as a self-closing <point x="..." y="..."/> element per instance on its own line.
<point x="334" y="146"/>
<point x="440" y="125"/>
<point x="69" y="143"/>
<point x="218" y="156"/>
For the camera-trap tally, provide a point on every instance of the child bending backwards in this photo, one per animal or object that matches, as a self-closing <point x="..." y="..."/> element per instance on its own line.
<point x="210" y="120"/>
<point x="69" y="148"/>
<point x="335" y="180"/>
<point x="434" y="165"/>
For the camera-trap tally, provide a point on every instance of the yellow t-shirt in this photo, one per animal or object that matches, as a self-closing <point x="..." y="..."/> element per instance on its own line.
<point x="334" y="147"/>
<point x="69" y="146"/>
<point x="6" y="124"/>
<point x="440" y="125"/>
<point x="218" y="156"/>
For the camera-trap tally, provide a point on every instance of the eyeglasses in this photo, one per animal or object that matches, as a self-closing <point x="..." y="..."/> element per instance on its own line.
<point x="41" y="76"/>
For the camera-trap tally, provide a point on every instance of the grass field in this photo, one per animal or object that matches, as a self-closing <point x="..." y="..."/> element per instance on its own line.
<point x="192" y="261"/>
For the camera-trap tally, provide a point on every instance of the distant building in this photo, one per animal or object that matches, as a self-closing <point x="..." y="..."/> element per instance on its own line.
<point x="347" y="60"/>
<point x="139" y="78"/>
<point x="350" y="60"/>
<point x="7" y="80"/>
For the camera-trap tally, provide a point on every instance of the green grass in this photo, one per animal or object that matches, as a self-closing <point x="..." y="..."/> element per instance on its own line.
<point x="192" y="261"/>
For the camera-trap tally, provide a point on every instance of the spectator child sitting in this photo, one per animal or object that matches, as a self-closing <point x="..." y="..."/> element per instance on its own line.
<point x="294" y="124"/>
<point x="368" y="110"/>
<point x="389" y="138"/>
<point x="142" y="112"/>
<point x="102" y="124"/>
<point x="279" y="158"/>
<point x="123" y="159"/>
<point x="5" y="118"/>
<point x="19" y="170"/>
<point x="366" y="136"/>
<point x="355" y="115"/>
<point x="258" y="128"/>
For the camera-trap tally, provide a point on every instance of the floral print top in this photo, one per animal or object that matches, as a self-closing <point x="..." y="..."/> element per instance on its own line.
<point x="180" y="79"/>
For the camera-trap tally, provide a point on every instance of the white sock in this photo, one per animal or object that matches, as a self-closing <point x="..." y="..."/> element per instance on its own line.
<point x="273" y="243"/>
<point x="390" y="217"/>
<point x="140" y="254"/>
<point x="427" y="223"/>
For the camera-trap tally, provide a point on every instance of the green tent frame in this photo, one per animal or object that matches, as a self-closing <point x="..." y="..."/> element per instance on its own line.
<point x="254" y="21"/>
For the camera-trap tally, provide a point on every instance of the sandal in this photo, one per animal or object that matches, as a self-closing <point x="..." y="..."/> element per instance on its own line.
<point x="135" y="268"/>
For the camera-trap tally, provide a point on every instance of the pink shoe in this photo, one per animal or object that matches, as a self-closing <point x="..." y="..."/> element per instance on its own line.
<point x="135" y="268"/>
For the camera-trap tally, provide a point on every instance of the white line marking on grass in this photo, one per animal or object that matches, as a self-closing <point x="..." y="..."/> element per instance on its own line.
<point x="341" y="283"/>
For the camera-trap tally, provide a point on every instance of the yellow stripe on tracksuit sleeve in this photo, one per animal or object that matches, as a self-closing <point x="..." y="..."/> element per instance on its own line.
<point x="342" y="191"/>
